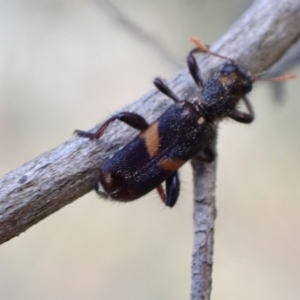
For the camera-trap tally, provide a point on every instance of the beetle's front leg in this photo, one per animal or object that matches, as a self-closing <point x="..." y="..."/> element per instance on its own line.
<point x="132" y="119"/>
<point x="243" y="117"/>
<point x="193" y="67"/>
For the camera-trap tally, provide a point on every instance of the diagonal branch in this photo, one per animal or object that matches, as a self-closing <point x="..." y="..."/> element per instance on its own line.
<point x="61" y="175"/>
<point x="138" y="32"/>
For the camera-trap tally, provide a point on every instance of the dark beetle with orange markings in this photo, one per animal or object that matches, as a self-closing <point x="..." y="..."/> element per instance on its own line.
<point x="179" y="134"/>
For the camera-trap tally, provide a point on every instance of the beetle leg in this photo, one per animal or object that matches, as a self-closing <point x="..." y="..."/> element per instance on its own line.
<point x="100" y="190"/>
<point x="193" y="67"/>
<point x="243" y="117"/>
<point x="163" y="87"/>
<point x="206" y="155"/>
<point x="172" y="188"/>
<point x="132" y="119"/>
<point x="161" y="193"/>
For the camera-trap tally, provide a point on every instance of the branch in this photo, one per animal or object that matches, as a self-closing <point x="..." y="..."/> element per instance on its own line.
<point x="257" y="40"/>
<point x="59" y="176"/>
<point x="138" y="32"/>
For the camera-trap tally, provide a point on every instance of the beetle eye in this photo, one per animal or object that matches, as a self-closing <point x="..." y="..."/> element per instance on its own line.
<point x="228" y="68"/>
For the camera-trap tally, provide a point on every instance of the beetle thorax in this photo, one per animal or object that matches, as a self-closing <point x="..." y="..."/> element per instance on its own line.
<point x="224" y="88"/>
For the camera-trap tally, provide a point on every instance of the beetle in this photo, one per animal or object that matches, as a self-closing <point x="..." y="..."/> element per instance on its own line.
<point x="186" y="128"/>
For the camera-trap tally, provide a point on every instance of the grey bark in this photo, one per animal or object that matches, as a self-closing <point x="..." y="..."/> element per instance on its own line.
<point x="256" y="40"/>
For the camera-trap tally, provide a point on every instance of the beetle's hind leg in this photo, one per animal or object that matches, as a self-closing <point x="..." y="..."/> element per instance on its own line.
<point x="161" y="193"/>
<point x="172" y="190"/>
<point x="132" y="119"/>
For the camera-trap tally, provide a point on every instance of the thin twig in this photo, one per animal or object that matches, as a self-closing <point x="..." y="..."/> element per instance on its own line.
<point x="139" y="32"/>
<point x="59" y="176"/>
<point x="267" y="27"/>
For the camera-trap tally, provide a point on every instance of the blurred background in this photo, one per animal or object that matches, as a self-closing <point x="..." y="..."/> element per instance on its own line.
<point x="69" y="64"/>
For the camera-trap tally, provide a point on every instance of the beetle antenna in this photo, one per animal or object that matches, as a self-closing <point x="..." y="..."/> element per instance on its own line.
<point x="205" y="49"/>
<point x="284" y="77"/>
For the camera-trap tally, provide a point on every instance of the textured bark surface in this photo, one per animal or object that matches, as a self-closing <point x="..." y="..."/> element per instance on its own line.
<point x="256" y="40"/>
<point x="61" y="175"/>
